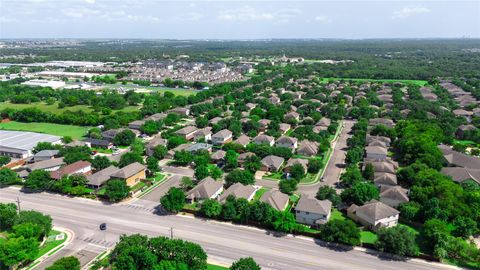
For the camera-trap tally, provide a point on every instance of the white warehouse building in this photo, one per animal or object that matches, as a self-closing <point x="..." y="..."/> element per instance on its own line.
<point x="19" y="144"/>
<point x="45" y="83"/>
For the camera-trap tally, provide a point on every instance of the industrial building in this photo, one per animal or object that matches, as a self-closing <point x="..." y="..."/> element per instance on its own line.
<point x="19" y="144"/>
<point x="45" y="83"/>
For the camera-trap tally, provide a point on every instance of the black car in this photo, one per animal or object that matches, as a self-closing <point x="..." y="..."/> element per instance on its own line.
<point x="103" y="226"/>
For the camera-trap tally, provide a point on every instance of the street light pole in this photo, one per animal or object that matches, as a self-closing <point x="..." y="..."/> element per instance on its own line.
<point x="18" y="203"/>
<point x="171" y="232"/>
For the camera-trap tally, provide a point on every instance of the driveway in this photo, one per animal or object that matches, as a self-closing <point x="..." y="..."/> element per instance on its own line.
<point x="183" y="171"/>
<point x="162" y="189"/>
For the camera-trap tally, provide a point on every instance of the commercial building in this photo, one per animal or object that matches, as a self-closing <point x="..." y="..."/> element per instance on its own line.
<point x="19" y="144"/>
<point x="45" y="83"/>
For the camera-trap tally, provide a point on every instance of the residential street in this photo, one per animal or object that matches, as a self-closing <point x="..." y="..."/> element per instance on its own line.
<point x="224" y="243"/>
<point x="162" y="189"/>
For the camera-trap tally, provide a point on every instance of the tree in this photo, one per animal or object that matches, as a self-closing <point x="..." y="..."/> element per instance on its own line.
<point x="397" y="240"/>
<point x="288" y="186"/>
<point x="314" y="166"/>
<point x="284" y="221"/>
<point x="65" y="263"/>
<point x="351" y="176"/>
<point x="186" y="183"/>
<point x="19" y="249"/>
<point x="38" y="179"/>
<point x="183" y="158"/>
<point x="37" y="218"/>
<point x="201" y="172"/>
<point x="464" y="227"/>
<point x="216" y="173"/>
<point x="150" y="127"/>
<point x="116" y="190"/>
<point x="67" y="139"/>
<point x="7" y="177"/>
<point x="174" y="200"/>
<point x="100" y="163"/>
<point x="4" y="160"/>
<point x="8" y="213"/>
<point x="152" y="165"/>
<point x="340" y="231"/>
<point x="328" y="193"/>
<point x="201" y="122"/>
<point x="231" y="161"/>
<point x="360" y="193"/>
<point x="297" y="172"/>
<point x="124" y="138"/>
<point x="245" y="264"/>
<point x="368" y="172"/>
<point x="175" y="141"/>
<point x="239" y="176"/>
<point x="129" y="158"/>
<point x="160" y="152"/>
<point x="211" y="208"/>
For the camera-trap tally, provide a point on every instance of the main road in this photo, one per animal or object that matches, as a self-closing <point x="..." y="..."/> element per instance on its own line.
<point x="223" y="242"/>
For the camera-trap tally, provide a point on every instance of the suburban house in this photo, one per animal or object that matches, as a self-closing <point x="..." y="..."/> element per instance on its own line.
<point x="218" y="156"/>
<point x="156" y="141"/>
<point x="275" y="199"/>
<point x="222" y="137"/>
<point x="370" y="139"/>
<point x="381" y="121"/>
<point x="374" y="215"/>
<point x="99" y="143"/>
<point x="458" y="159"/>
<point x="238" y="191"/>
<point x="293" y="161"/>
<point x="203" y="133"/>
<point x="263" y="124"/>
<point x="79" y="167"/>
<point x="376" y="153"/>
<point x="307" y="148"/>
<point x="137" y="124"/>
<point x="132" y="173"/>
<point x="324" y="122"/>
<point x="393" y="195"/>
<point x="271" y="163"/>
<point x="156" y="117"/>
<point x="180" y="111"/>
<point x="459" y="174"/>
<point x="215" y="120"/>
<point x="194" y="148"/>
<point x="292" y="116"/>
<point x="313" y="212"/>
<point x="287" y="142"/>
<point x="243" y="140"/>
<point x="45" y="155"/>
<point x="99" y="178"/>
<point x="385" y="179"/>
<point x="382" y="166"/>
<point x="283" y="127"/>
<point x="261" y="139"/>
<point x="244" y="156"/>
<point x="46" y="165"/>
<point x="208" y="188"/>
<point x="187" y="132"/>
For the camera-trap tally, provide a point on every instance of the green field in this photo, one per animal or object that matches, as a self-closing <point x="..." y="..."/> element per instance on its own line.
<point x="54" y="107"/>
<point x="368" y="237"/>
<point x="76" y="132"/>
<point x="175" y="91"/>
<point x="51" y="244"/>
<point x="216" y="267"/>
<point x="416" y="82"/>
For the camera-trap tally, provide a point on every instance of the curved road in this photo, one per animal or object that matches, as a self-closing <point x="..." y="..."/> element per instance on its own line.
<point x="223" y="242"/>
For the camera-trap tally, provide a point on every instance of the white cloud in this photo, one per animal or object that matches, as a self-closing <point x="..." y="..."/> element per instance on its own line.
<point x="409" y="11"/>
<point x="192" y="5"/>
<point x="90" y="1"/>
<point x="248" y="13"/>
<point x="323" y="19"/>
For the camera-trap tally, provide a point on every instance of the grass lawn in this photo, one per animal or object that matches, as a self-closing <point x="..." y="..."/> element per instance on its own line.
<point x="102" y="191"/>
<point x="464" y="142"/>
<point x="103" y="150"/>
<point x="76" y="132"/>
<point x="259" y="193"/>
<point x="51" y="243"/>
<point x="368" y="237"/>
<point x="416" y="82"/>
<point x="138" y="186"/>
<point x="54" y="107"/>
<point x="216" y="267"/>
<point x="337" y="215"/>
<point x="309" y="178"/>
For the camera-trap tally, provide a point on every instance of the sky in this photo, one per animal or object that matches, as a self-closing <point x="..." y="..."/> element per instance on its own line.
<point x="210" y="19"/>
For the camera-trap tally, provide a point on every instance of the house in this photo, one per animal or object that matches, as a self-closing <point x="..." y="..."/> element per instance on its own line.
<point x="283" y="127"/>
<point x="244" y="156"/>
<point x="215" y="120"/>
<point x="263" y="123"/>
<point x="45" y="155"/>
<point x="272" y="163"/>
<point x="99" y="178"/>
<point x="180" y="111"/>
<point x="324" y="122"/>
<point x="46" y="165"/>
<point x="137" y="124"/>
<point x="393" y="195"/>
<point x="287" y="142"/>
<point x="156" y="141"/>
<point x="460" y="174"/>
<point x="463" y="130"/>
<point x="250" y="106"/>
<point x="313" y="212"/>
<point x="222" y="137"/>
<point x="243" y="140"/>
<point x="274" y="100"/>
<point x="238" y="191"/>
<point x="381" y="121"/>
<point x="156" y="117"/>
<point x="292" y="116"/>
<point x="385" y="179"/>
<point x="181" y="147"/>
<point x="218" y="156"/>
<point x="204" y="134"/>
<point x="294" y="161"/>
<point x="382" y="166"/>
<point x="370" y="139"/>
<point x="376" y="153"/>
<point x="187" y="132"/>
<point x="99" y="143"/>
<point x="79" y="167"/>
<point x="307" y="148"/>
<point x="264" y="139"/>
<point x="194" y="148"/>
<point x="132" y="173"/>
<point x="374" y="215"/>
<point x="208" y="188"/>
<point x="110" y="134"/>
<point x="458" y="159"/>
<point x="276" y="199"/>
<point x="76" y="143"/>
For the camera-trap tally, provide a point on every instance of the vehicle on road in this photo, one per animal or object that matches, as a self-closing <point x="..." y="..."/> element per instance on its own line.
<point x="103" y="226"/>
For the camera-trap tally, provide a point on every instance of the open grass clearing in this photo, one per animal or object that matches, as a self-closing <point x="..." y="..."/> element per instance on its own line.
<point x="216" y="267"/>
<point x="368" y="237"/>
<point x="55" y="109"/>
<point x="51" y="243"/>
<point x="76" y="132"/>
<point x="416" y="82"/>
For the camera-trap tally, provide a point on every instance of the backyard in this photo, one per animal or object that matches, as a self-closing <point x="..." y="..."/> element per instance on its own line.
<point x="75" y="132"/>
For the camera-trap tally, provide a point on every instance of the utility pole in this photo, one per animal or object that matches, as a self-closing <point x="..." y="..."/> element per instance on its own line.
<point x="18" y="203"/>
<point x="171" y="232"/>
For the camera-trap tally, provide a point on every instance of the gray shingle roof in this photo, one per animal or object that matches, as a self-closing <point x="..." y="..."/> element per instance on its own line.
<point x="129" y="170"/>
<point x="275" y="199"/>
<point x="205" y="189"/>
<point x="312" y="205"/>
<point x="238" y="191"/>
<point x="100" y="177"/>
<point x="377" y="210"/>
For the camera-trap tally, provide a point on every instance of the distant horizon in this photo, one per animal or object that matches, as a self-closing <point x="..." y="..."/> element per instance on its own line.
<point x="238" y="39"/>
<point x="239" y="20"/>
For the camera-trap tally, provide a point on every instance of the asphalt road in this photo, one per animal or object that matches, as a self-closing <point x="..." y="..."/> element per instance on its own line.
<point x="223" y="242"/>
<point x="162" y="189"/>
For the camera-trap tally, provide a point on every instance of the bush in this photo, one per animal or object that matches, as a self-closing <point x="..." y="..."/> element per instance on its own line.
<point x="340" y="231"/>
<point x="245" y="264"/>
<point x="174" y="200"/>
<point x="65" y="263"/>
<point x="397" y="240"/>
<point x="116" y="190"/>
